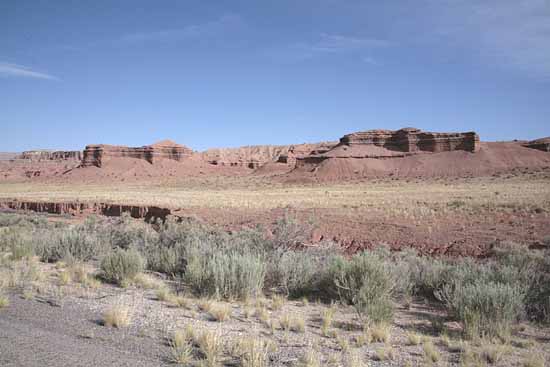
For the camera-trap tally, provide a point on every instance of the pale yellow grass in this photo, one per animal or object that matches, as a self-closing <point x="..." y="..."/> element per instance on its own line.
<point x="426" y="198"/>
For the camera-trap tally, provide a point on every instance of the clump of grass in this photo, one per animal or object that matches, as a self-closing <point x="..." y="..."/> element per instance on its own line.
<point x="163" y="294"/>
<point x="431" y="355"/>
<point x="247" y="312"/>
<point x="493" y="352"/>
<point x="334" y="359"/>
<point x="205" y="304"/>
<point x="353" y="359"/>
<point x="343" y="343"/>
<point x="385" y="353"/>
<point x="445" y="340"/>
<point x="145" y="281"/>
<point x="298" y="324"/>
<point x="122" y="266"/>
<point x="181" y="349"/>
<point x="4" y="301"/>
<point x="326" y="320"/>
<point x="295" y="323"/>
<point x="277" y="302"/>
<point x="180" y="301"/>
<point x="220" y="312"/>
<point x="253" y="352"/>
<point x="211" y="348"/>
<point x="362" y="339"/>
<point x="82" y="275"/>
<point x="309" y="359"/>
<point x="117" y="316"/>
<point x="262" y="314"/>
<point x="65" y="277"/>
<point x="525" y="343"/>
<point x="28" y="293"/>
<point x="533" y="360"/>
<point x="380" y="333"/>
<point x="413" y="338"/>
<point x="285" y="321"/>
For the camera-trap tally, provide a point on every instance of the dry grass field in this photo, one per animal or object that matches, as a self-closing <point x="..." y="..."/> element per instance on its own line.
<point x="447" y="216"/>
<point x="523" y="192"/>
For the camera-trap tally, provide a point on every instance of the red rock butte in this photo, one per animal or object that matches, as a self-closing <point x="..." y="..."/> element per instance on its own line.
<point x="540" y="144"/>
<point x="96" y="155"/>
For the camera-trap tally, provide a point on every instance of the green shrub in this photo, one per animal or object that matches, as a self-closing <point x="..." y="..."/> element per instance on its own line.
<point x="168" y="260"/>
<point x="126" y="232"/>
<point x="225" y="274"/>
<point x="297" y="273"/>
<point x="69" y="244"/>
<point x="366" y="283"/>
<point x="121" y="265"/>
<point x="486" y="308"/>
<point x="290" y="232"/>
<point x="18" y="241"/>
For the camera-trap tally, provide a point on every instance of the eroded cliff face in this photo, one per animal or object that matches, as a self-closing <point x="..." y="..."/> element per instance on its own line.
<point x="47" y="155"/>
<point x="414" y="140"/>
<point x="256" y="156"/>
<point x="394" y="144"/>
<point x="78" y="208"/>
<point x="97" y="155"/>
<point x="539" y="144"/>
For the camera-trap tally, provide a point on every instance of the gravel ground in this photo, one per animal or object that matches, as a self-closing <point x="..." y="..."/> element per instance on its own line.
<point x="34" y="333"/>
<point x="60" y="325"/>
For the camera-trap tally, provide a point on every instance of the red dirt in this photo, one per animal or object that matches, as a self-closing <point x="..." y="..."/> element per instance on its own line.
<point x="462" y="234"/>
<point x="491" y="158"/>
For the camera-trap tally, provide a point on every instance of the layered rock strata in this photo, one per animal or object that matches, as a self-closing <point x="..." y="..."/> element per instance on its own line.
<point x="394" y="144"/>
<point x="540" y="144"/>
<point x="97" y="155"/>
<point x="414" y="140"/>
<point x="256" y="156"/>
<point x="47" y="155"/>
<point x="76" y="208"/>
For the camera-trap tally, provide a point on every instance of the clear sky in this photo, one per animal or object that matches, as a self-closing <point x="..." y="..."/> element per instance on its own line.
<point x="235" y="72"/>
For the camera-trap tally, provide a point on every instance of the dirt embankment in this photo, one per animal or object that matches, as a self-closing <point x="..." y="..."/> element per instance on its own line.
<point x="74" y="208"/>
<point x="460" y="233"/>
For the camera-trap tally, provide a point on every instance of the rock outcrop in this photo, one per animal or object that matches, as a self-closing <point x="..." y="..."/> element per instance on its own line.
<point x="540" y="144"/>
<point x="97" y="155"/>
<point x="78" y="208"/>
<point x="412" y="140"/>
<point x="48" y="155"/>
<point x="394" y="144"/>
<point x="7" y="156"/>
<point x="256" y="156"/>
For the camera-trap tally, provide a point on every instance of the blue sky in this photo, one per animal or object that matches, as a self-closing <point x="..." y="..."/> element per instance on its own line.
<point x="230" y="73"/>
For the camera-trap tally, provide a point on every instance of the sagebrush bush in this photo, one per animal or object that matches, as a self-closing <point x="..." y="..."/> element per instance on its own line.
<point x="126" y="232"/>
<point x="529" y="269"/>
<point x="18" y="242"/>
<point x="121" y="265"/>
<point x="69" y="244"/>
<point x="486" y="308"/>
<point x="366" y="283"/>
<point x="225" y="274"/>
<point x="297" y="273"/>
<point x="290" y="232"/>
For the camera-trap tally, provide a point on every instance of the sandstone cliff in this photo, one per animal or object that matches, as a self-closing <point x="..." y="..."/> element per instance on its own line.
<point x="540" y="144"/>
<point x="256" y="156"/>
<point x="48" y="155"/>
<point x="395" y="144"/>
<point x="97" y="155"/>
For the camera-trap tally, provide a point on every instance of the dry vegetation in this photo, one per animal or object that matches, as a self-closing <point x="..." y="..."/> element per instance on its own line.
<point x="414" y="197"/>
<point x="206" y="289"/>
